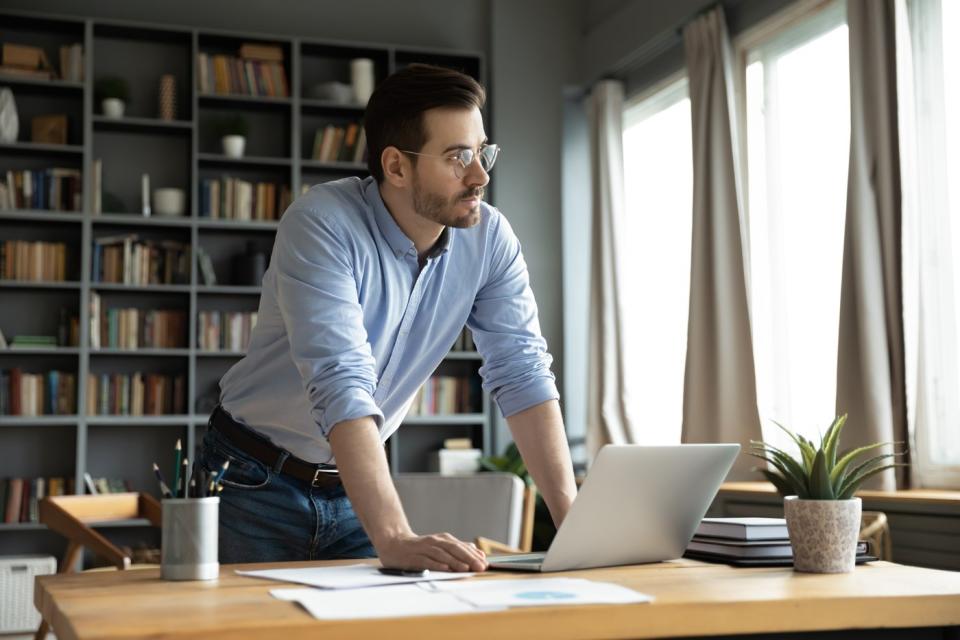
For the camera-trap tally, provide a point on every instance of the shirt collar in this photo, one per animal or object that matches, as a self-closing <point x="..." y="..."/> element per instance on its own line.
<point x="396" y="238"/>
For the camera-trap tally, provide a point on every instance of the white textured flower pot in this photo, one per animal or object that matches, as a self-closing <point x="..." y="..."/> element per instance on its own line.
<point x="823" y="533"/>
<point x="233" y="146"/>
<point x="112" y="107"/>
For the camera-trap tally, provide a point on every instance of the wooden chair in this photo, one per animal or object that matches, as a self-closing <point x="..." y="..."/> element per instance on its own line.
<point x="491" y="547"/>
<point x="875" y="528"/>
<point x="71" y="517"/>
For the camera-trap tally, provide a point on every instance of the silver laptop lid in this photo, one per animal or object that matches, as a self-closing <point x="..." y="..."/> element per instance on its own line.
<point x="639" y="504"/>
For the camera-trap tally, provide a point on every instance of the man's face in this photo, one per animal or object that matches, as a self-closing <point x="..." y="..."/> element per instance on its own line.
<point x="438" y="194"/>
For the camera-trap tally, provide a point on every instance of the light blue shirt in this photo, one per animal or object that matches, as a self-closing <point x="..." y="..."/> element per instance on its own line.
<point x="350" y="326"/>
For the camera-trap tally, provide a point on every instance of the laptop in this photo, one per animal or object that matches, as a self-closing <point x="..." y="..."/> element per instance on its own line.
<point x="638" y="504"/>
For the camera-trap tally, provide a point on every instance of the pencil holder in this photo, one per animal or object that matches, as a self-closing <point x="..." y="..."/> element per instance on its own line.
<point x="189" y="545"/>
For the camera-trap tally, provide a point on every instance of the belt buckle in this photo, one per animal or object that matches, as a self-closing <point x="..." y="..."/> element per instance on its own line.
<point x="316" y="476"/>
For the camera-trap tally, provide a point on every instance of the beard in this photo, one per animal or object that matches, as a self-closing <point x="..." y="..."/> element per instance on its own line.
<point x="442" y="210"/>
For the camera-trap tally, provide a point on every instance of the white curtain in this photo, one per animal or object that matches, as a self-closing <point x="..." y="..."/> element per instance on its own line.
<point x="870" y="363"/>
<point x="720" y="398"/>
<point x="608" y="420"/>
<point x="929" y="225"/>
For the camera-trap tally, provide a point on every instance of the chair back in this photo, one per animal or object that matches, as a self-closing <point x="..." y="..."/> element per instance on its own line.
<point x="482" y="505"/>
<point x="71" y="517"/>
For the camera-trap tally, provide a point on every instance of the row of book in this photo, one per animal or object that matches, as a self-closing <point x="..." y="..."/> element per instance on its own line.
<point x="225" y="330"/>
<point x="33" y="261"/>
<point x="225" y="74"/>
<point x="447" y="395"/>
<point x="464" y="341"/>
<point x="136" y="394"/>
<point x="334" y="143"/>
<point x="128" y="259"/>
<point x="37" y="394"/>
<point x="130" y="328"/>
<point x="236" y="199"/>
<point x="54" y="189"/>
<point x="19" y="497"/>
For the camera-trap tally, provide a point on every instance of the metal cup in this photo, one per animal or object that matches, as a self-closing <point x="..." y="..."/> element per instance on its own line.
<point x="189" y="545"/>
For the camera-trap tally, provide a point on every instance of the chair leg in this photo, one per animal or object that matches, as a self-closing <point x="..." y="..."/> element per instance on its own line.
<point x="42" y="631"/>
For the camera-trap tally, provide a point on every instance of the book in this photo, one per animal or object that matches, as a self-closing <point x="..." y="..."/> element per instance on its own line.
<point x="742" y="549"/>
<point x="744" y="528"/>
<point x="761" y="558"/>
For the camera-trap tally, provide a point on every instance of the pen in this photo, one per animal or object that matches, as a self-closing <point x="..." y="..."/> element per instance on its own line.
<point x="404" y="573"/>
<point x="164" y="489"/>
<point x="223" y="470"/>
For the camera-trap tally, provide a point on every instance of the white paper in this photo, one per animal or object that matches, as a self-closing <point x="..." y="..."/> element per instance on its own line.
<point x="376" y="602"/>
<point x="346" y="577"/>
<point x="540" y="592"/>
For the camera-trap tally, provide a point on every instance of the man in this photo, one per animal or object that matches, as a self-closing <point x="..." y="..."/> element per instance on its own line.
<point x="369" y="284"/>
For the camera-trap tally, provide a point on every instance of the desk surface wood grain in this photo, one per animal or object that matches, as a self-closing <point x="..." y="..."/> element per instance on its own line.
<point x="692" y="599"/>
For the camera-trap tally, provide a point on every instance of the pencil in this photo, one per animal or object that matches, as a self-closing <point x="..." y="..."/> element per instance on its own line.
<point x="186" y="476"/>
<point x="223" y="470"/>
<point x="176" y="481"/>
<point x="164" y="489"/>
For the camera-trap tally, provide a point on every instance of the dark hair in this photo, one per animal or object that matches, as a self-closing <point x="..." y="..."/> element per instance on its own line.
<point x="394" y="115"/>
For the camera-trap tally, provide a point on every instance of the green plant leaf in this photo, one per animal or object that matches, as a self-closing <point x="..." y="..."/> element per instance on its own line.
<point x="851" y="488"/>
<point x="836" y="474"/>
<point x="857" y="474"/>
<point x="820" y="488"/>
<point x="788" y="467"/>
<point x="784" y="487"/>
<point x="832" y="439"/>
<point x="807" y="451"/>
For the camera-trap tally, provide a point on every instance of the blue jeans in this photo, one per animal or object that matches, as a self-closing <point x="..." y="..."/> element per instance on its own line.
<point x="267" y="516"/>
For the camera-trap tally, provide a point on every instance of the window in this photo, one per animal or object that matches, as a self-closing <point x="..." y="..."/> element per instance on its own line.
<point x="658" y="184"/>
<point x="928" y="60"/>
<point x="795" y="105"/>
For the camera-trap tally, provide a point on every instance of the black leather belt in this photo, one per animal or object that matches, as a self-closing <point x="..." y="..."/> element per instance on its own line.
<point x="253" y="444"/>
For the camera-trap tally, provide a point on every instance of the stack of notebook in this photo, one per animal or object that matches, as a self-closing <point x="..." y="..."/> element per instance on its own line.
<point x="748" y="542"/>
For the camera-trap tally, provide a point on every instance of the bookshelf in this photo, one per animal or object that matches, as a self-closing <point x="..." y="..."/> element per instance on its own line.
<point x="179" y="153"/>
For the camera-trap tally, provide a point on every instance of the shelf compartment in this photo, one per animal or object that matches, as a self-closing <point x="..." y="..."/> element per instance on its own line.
<point x="229" y="290"/>
<point x="41" y="215"/>
<point x="40" y="149"/>
<point x="142" y="352"/>
<point x="142" y="124"/>
<point x="253" y="161"/>
<point x="142" y="288"/>
<point x="140" y="219"/>
<point x="39" y="284"/>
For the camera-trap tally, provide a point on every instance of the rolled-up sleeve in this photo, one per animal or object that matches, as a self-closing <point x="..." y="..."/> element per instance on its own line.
<point x="318" y="300"/>
<point x="506" y="329"/>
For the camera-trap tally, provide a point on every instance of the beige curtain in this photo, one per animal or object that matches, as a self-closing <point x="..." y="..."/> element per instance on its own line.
<point x="607" y="417"/>
<point x="870" y="366"/>
<point x="720" y="397"/>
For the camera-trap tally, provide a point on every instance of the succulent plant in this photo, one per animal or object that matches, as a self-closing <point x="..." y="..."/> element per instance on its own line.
<point x="820" y="473"/>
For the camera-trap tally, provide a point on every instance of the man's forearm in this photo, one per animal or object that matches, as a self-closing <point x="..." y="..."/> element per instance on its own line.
<point x="363" y="469"/>
<point x="542" y="441"/>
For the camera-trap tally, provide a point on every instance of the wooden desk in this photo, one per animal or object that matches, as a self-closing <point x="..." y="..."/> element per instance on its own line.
<point x="692" y="599"/>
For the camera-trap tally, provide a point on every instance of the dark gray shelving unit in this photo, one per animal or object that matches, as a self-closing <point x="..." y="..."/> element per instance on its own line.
<point x="177" y="153"/>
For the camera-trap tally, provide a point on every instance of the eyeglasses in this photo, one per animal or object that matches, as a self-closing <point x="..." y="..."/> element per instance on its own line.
<point x="464" y="158"/>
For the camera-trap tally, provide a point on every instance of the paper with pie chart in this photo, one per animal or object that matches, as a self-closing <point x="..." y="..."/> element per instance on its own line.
<point x="540" y="592"/>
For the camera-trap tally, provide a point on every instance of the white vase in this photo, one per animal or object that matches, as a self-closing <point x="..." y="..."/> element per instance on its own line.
<point x="233" y="146"/>
<point x="823" y="533"/>
<point x="169" y="201"/>
<point x="112" y="107"/>
<point x="361" y="79"/>
<point x="9" y="120"/>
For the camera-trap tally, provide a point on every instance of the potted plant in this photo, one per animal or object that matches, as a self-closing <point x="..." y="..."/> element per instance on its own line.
<point x="823" y="516"/>
<point x="233" y="136"/>
<point x="113" y="93"/>
<point x="511" y="462"/>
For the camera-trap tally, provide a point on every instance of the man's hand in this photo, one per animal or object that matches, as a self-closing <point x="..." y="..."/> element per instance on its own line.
<point x="437" y="552"/>
<point x="366" y="477"/>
